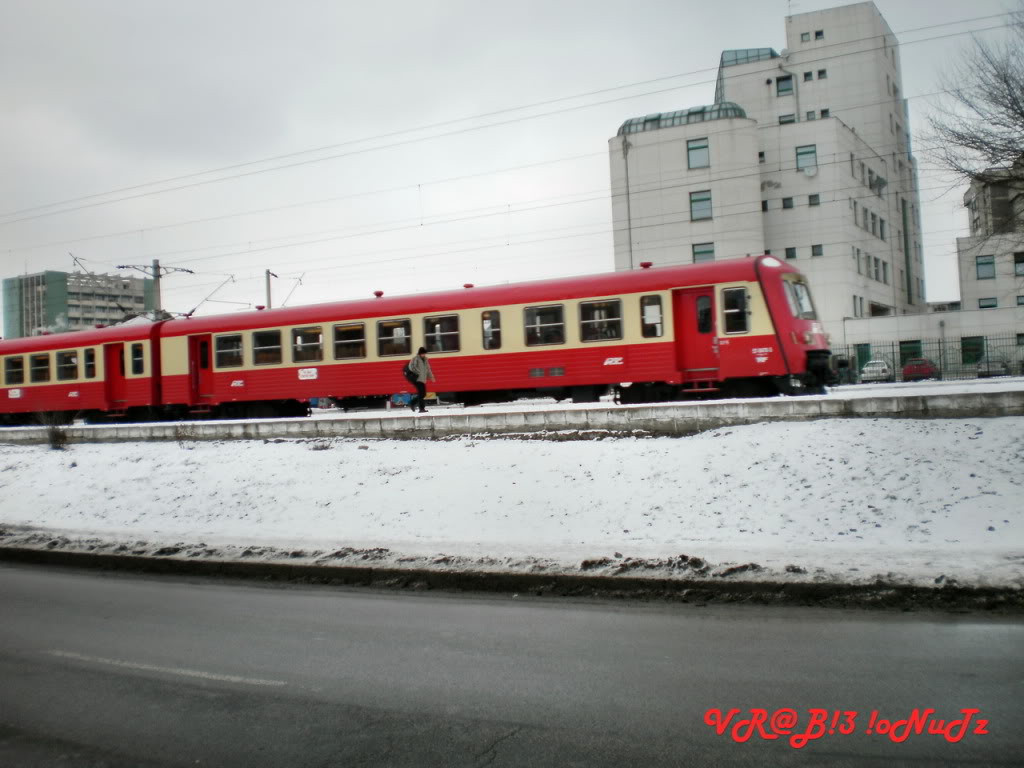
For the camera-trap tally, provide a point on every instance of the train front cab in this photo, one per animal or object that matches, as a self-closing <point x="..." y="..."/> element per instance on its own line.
<point x="801" y="338"/>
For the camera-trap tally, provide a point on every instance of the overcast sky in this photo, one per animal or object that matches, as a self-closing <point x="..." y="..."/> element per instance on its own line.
<point x="395" y="146"/>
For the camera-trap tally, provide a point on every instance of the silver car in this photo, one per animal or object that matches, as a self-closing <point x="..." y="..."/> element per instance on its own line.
<point x="876" y="370"/>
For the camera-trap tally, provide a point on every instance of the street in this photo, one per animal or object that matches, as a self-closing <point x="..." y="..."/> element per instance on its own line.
<point x="124" y="670"/>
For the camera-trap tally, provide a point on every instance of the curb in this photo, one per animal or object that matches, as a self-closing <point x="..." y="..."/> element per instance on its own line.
<point x="876" y="595"/>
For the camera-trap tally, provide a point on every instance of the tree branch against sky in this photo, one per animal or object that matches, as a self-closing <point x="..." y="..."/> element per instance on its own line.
<point x="984" y="128"/>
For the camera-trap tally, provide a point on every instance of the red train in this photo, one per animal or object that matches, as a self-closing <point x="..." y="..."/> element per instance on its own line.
<point x="738" y="327"/>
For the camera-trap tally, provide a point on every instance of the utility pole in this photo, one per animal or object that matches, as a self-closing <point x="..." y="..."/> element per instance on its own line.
<point x="155" y="272"/>
<point x="267" y="277"/>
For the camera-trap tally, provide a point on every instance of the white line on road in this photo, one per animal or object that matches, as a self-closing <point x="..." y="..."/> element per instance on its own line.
<point x="168" y="670"/>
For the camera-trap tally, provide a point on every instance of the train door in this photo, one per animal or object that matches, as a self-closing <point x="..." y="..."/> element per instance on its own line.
<point x="200" y="369"/>
<point x="115" y="388"/>
<point x="693" y="311"/>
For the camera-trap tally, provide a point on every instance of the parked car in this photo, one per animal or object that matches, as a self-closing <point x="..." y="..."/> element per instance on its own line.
<point x="992" y="366"/>
<point x="918" y="368"/>
<point x="876" y="370"/>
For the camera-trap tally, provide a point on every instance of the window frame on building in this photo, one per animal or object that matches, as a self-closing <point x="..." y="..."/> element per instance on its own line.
<point x="788" y="81"/>
<point x="803" y="153"/>
<point x="702" y="254"/>
<point x="698" y="199"/>
<point x="988" y="261"/>
<point x="702" y="153"/>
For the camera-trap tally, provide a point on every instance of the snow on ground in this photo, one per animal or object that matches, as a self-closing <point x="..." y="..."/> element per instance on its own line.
<point x="919" y="502"/>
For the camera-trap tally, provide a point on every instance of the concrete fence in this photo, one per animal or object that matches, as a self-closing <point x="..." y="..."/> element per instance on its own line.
<point x="667" y="419"/>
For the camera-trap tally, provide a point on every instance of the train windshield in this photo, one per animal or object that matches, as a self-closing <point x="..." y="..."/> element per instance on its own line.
<point x="799" y="296"/>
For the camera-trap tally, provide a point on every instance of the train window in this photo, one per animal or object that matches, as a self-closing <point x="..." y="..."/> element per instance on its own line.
<point x="90" y="363"/>
<point x="266" y="348"/>
<point x="441" y="334"/>
<point x="704" y="319"/>
<point x="307" y="345"/>
<point x="545" y="325"/>
<point x="394" y="337"/>
<point x="228" y="351"/>
<point x="137" y="360"/>
<point x="734" y="303"/>
<point x="800" y="303"/>
<point x="651" y="321"/>
<point x="67" y="366"/>
<point x="39" y="368"/>
<point x="349" y="341"/>
<point x="14" y="370"/>
<point x="491" y="324"/>
<point x="600" y="320"/>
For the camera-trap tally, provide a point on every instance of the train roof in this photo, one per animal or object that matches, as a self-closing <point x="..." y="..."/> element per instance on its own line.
<point x="551" y="290"/>
<point x="539" y="291"/>
<point x="131" y="331"/>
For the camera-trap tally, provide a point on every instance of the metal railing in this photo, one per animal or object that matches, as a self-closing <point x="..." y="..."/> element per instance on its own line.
<point x="967" y="357"/>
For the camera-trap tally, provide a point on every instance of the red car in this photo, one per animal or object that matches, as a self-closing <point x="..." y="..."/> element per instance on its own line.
<point x="920" y="368"/>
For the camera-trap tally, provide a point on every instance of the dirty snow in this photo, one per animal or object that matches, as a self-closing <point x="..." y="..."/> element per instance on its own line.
<point x="922" y="502"/>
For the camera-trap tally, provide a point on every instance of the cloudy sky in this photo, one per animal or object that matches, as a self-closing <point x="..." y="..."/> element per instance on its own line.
<point x="350" y="147"/>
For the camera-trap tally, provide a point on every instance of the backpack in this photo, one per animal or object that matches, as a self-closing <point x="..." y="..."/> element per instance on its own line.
<point x="411" y="377"/>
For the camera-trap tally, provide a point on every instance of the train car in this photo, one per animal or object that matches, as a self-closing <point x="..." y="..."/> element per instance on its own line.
<point x="739" y="327"/>
<point x="98" y="374"/>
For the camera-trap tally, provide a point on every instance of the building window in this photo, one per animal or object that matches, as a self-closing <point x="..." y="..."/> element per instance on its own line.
<point x="760" y="157"/>
<point x="490" y="322"/>
<point x="808" y="76"/>
<point x="986" y="267"/>
<point x="878" y="268"/>
<point x="764" y="205"/>
<point x="1018" y="264"/>
<point x="874" y="224"/>
<point x="812" y="115"/>
<point x="865" y="214"/>
<point x="805" y="37"/>
<point x="858" y="262"/>
<point x="441" y="333"/>
<point x="819" y="34"/>
<point x="814" y="199"/>
<point x="972" y="348"/>
<point x="881" y="227"/>
<point x="394" y="337"/>
<point x="227" y="351"/>
<point x="734" y="303"/>
<point x="822" y="74"/>
<point x="784" y="85"/>
<point x="787" y="202"/>
<point x="307" y="345"/>
<point x="807" y="157"/>
<point x="790" y="252"/>
<point x="855" y="313"/>
<point x="349" y="341"/>
<point x="266" y="348"/>
<point x="825" y="113"/>
<point x="700" y="205"/>
<point x="786" y="119"/>
<point x="703" y="252"/>
<point x="697" y="153"/>
<point x="885" y="272"/>
<point x="1020" y="339"/>
<point x="853" y="169"/>
<point x="650" y="317"/>
<point x="818" y="250"/>
<point x="989" y="303"/>
<point x="600" y="320"/>
<point x="544" y="325"/>
<point x="1020" y="301"/>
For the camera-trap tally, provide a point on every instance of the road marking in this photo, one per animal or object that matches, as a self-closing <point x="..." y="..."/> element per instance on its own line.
<point x="167" y="670"/>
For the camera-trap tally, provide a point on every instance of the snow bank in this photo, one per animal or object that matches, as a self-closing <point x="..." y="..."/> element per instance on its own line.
<point x="918" y="502"/>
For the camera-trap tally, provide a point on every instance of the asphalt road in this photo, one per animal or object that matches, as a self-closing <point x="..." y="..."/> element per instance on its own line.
<point x="122" y="670"/>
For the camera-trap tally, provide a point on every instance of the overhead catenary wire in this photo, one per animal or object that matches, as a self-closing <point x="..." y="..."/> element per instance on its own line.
<point x="38" y="211"/>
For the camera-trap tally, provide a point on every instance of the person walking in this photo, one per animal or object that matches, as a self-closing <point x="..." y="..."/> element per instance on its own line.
<point x="420" y="368"/>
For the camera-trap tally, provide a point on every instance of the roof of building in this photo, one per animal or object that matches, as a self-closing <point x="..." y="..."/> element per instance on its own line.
<point x="720" y="111"/>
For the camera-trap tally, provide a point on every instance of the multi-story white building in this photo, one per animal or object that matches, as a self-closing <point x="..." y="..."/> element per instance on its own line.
<point x="804" y="154"/>
<point x="991" y="259"/>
